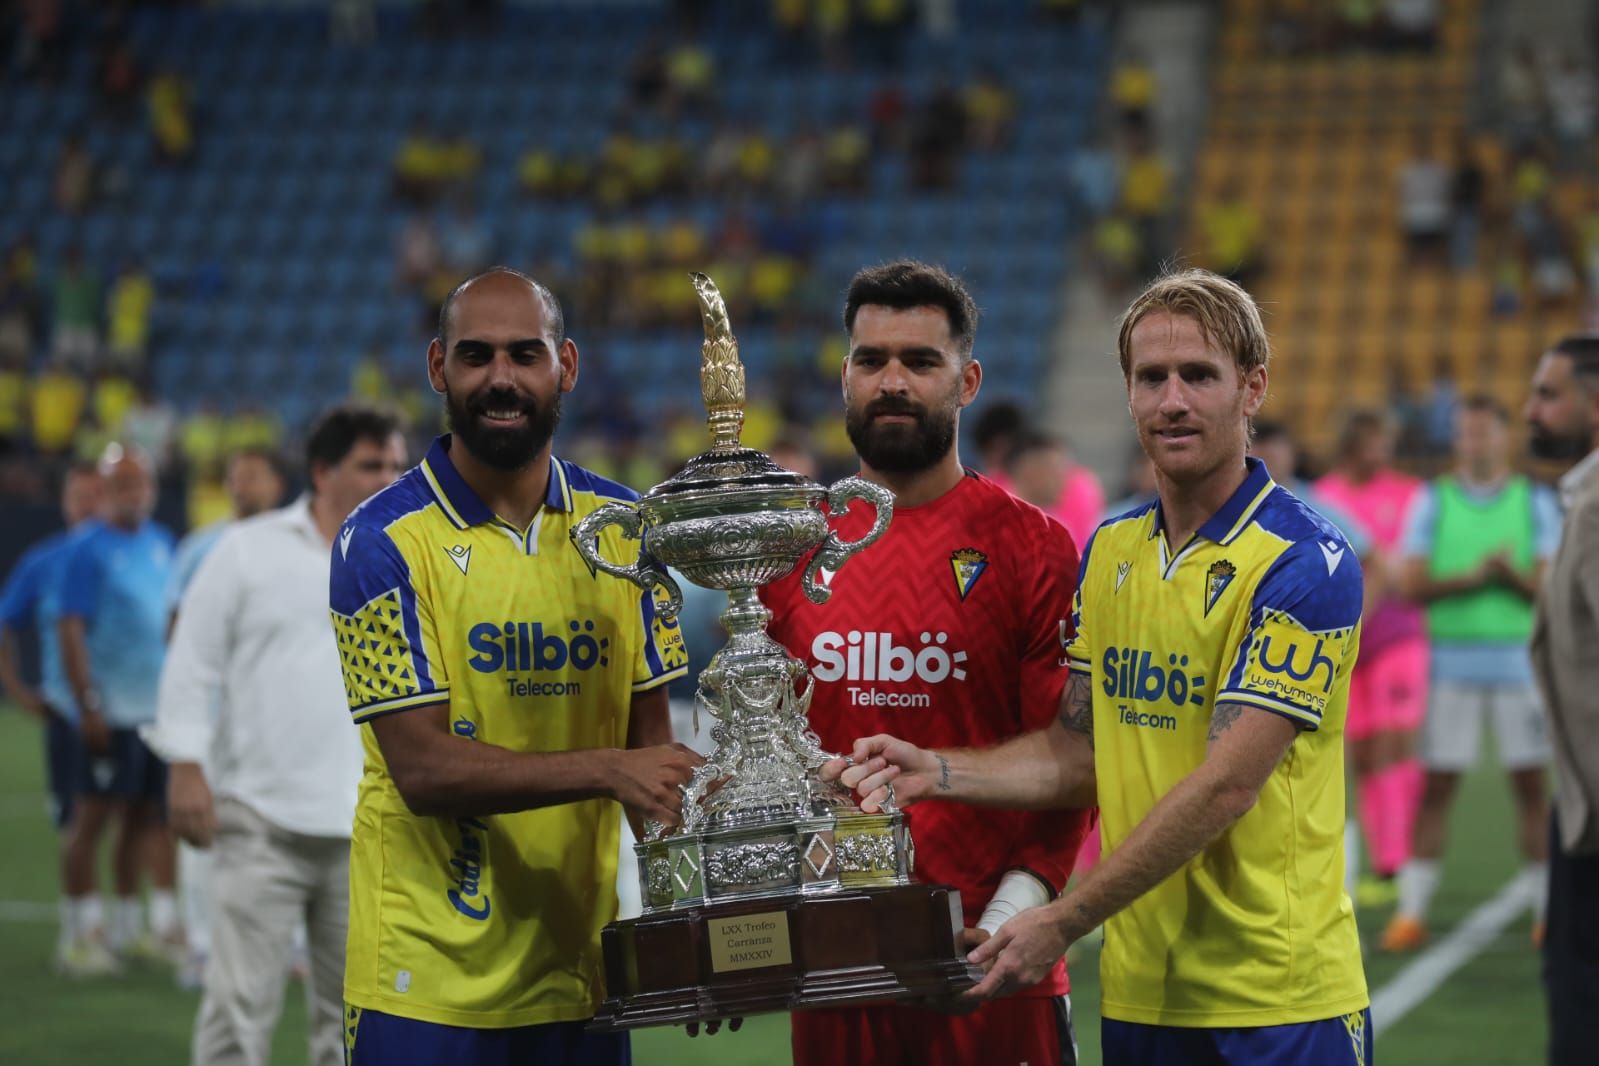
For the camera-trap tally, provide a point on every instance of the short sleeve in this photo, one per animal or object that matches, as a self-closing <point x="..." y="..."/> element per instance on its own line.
<point x="1421" y="520"/>
<point x="1079" y="648"/>
<point x="662" y="655"/>
<point x="82" y="572"/>
<point x="387" y="639"/>
<point x="1302" y="634"/>
<point x="20" y="597"/>
<point x="185" y="562"/>
<point x="1050" y="603"/>
<point x="1546" y="522"/>
<point x="1357" y="537"/>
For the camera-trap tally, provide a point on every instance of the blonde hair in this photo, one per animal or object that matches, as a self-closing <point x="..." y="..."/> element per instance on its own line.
<point x="1227" y="316"/>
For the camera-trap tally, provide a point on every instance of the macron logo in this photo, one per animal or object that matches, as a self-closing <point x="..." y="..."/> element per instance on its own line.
<point x="1333" y="554"/>
<point x="344" y="541"/>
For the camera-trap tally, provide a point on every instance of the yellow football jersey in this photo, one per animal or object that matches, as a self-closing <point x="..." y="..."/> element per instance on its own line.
<point x="493" y="921"/>
<point x="1261" y="607"/>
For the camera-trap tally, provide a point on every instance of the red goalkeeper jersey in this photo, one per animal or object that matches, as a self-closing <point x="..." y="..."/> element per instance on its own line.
<point x="950" y="631"/>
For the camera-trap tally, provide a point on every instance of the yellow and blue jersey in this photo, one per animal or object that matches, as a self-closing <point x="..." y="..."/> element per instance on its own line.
<point x="1261" y="607"/>
<point x="493" y="921"/>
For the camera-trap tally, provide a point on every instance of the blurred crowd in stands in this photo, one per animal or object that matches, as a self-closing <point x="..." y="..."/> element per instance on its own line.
<point x="76" y="343"/>
<point x="77" y="340"/>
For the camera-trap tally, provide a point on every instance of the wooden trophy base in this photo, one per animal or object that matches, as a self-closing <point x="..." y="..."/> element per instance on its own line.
<point x="744" y="957"/>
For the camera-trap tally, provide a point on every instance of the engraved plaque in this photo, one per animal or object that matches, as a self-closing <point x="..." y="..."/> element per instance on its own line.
<point x="749" y="941"/>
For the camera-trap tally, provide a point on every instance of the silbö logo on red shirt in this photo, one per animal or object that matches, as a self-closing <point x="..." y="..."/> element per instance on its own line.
<point x="858" y="656"/>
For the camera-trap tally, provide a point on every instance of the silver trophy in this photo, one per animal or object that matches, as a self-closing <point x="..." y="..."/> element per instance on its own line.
<point x="758" y="822"/>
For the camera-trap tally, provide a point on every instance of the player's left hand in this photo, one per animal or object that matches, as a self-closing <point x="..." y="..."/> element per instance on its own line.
<point x="1021" y="953"/>
<point x="884" y="770"/>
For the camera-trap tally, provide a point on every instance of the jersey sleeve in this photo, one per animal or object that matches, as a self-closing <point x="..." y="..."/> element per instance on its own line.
<point x="82" y="572"/>
<point x="1050" y="607"/>
<point x="185" y="562"/>
<point x="1421" y="519"/>
<point x="20" y="597"/>
<point x="1048" y="841"/>
<point x="1547" y="520"/>
<point x="387" y="634"/>
<point x="1352" y="530"/>
<point x="662" y="655"/>
<point x="1079" y="649"/>
<point x="1302" y="633"/>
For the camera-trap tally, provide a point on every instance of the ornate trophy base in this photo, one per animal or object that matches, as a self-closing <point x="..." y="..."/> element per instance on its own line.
<point x="745" y="957"/>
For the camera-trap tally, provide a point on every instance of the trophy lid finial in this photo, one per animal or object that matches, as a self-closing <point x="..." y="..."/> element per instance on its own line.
<point x="721" y="371"/>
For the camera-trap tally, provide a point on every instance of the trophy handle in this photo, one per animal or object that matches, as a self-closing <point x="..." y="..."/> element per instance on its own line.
<point x="646" y="573"/>
<point x="833" y="552"/>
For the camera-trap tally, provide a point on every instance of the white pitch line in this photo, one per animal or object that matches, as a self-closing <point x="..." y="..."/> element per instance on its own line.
<point x="28" y="911"/>
<point x="1412" y="985"/>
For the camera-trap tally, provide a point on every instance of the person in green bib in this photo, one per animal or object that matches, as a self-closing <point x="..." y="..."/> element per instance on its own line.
<point x="1475" y="544"/>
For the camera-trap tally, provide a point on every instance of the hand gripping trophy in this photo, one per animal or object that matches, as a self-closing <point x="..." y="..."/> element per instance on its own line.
<point x="776" y="892"/>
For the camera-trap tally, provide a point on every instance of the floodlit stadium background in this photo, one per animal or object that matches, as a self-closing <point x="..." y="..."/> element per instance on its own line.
<point x="218" y="218"/>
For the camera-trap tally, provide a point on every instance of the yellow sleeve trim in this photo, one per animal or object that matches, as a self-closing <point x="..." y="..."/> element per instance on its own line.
<point x="1266" y="703"/>
<point x="399" y="703"/>
<point x="1080" y="666"/>
<point x="660" y="679"/>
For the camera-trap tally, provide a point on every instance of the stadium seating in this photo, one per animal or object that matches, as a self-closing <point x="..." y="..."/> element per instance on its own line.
<point x="288" y="196"/>
<point x="1317" y="142"/>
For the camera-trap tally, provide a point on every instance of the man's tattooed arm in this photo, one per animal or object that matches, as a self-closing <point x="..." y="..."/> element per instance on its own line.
<point x="1077" y="706"/>
<point x="1222" y="720"/>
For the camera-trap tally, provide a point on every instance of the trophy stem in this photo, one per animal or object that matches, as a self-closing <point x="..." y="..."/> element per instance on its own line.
<point x="745" y="614"/>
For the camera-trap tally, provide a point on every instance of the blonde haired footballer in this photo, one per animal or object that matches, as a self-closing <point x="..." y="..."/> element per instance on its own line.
<point x="505" y="696"/>
<point x="1216" y="631"/>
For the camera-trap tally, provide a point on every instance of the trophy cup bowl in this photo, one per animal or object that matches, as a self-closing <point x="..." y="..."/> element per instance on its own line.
<point x="776" y="892"/>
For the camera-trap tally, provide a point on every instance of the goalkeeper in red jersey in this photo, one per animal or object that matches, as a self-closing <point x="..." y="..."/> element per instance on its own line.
<point x="948" y="632"/>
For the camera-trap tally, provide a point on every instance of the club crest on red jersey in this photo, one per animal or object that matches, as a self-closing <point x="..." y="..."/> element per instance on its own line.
<point x="968" y="564"/>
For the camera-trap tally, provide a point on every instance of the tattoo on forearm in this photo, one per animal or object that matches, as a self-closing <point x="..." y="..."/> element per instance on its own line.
<point x="1077" y="706"/>
<point x="943" y="773"/>
<point x="1222" y="720"/>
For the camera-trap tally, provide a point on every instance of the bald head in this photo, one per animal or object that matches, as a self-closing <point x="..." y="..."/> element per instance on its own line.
<point x="498" y="284"/>
<point x="129" y="486"/>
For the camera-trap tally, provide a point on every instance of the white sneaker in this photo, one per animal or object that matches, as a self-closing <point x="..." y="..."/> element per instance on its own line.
<point x="191" y="972"/>
<point x="170" y="949"/>
<point x="88" y="956"/>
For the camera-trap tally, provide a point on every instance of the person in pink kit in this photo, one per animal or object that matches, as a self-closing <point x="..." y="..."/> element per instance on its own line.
<point x="1388" y="692"/>
<point x="1043" y="473"/>
<point x="949" y="631"/>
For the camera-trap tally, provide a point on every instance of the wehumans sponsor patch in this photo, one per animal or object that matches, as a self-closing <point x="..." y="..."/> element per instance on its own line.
<point x="1292" y="664"/>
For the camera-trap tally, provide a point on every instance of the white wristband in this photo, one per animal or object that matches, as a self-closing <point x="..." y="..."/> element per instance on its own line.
<point x="1018" y="891"/>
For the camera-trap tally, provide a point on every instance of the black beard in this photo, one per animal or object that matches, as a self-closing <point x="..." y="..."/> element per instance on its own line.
<point x="901" y="449"/>
<point x="1546" y="444"/>
<point x="508" y="448"/>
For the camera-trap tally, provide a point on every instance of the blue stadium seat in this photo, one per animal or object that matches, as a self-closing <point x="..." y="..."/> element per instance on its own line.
<point x="288" y="192"/>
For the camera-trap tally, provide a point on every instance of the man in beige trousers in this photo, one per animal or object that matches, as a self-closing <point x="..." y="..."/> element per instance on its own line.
<point x="264" y="766"/>
<point x="1563" y="412"/>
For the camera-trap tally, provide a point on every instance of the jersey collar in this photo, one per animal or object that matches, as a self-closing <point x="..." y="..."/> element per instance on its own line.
<point x="1234" y="516"/>
<point x="465" y="507"/>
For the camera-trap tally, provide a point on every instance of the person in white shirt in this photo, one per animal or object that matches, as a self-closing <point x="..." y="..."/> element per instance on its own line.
<point x="252" y="692"/>
<point x="255" y="482"/>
